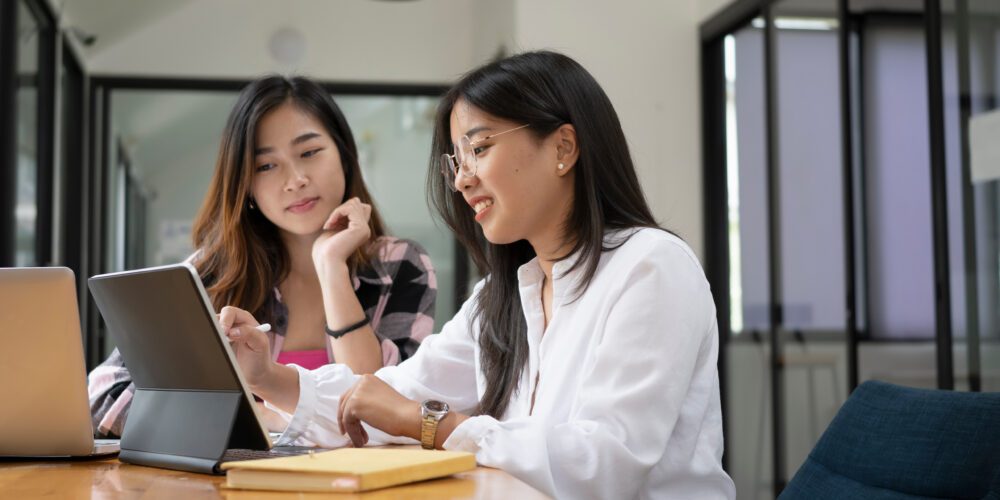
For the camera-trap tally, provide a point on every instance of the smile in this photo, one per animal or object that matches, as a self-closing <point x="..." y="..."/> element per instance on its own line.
<point x="482" y="205"/>
<point x="303" y="206"/>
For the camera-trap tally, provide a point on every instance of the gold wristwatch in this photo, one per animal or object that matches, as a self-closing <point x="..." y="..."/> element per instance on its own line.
<point x="431" y="412"/>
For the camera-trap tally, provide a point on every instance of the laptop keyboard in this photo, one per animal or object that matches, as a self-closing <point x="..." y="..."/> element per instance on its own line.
<point x="237" y="454"/>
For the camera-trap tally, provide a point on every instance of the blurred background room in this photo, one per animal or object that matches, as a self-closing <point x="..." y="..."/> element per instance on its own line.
<point x="833" y="163"/>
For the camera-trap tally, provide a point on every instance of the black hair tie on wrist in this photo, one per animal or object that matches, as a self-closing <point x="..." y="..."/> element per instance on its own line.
<point x="344" y="331"/>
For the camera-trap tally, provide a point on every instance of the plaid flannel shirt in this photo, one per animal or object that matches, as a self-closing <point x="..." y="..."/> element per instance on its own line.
<point x="397" y="294"/>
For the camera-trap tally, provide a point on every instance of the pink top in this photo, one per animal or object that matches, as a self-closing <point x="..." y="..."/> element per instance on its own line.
<point x="309" y="360"/>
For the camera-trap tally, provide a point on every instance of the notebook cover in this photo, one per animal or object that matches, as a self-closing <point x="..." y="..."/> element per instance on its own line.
<point x="347" y="469"/>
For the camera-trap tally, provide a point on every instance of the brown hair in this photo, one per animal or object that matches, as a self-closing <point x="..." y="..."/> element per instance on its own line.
<point x="241" y="256"/>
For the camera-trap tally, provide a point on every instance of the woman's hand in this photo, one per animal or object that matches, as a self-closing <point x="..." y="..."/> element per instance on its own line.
<point x="252" y="347"/>
<point x="344" y="232"/>
<point x="375" y="403"/>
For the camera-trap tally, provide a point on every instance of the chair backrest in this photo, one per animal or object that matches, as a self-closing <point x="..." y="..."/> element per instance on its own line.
<point x="891" y="442"/>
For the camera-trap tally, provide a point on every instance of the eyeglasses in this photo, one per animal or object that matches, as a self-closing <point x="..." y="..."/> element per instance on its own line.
<point x="464" y="159"/>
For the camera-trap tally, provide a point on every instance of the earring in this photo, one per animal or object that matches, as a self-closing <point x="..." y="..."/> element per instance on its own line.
<point x="252" y="206"/>
<point x="562" y="166"/>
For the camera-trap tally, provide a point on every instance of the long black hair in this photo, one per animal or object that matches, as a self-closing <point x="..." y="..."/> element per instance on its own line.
<point x="544" y="90"/>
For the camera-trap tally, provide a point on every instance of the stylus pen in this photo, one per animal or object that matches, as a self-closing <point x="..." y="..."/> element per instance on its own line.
<point x="266" y="327"/>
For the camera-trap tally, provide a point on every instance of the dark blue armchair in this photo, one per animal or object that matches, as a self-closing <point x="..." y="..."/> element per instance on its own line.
<point x="892" y="442"/>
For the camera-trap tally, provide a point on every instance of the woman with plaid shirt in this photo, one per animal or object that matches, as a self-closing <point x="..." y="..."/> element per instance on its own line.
<point x="289" y="232"/>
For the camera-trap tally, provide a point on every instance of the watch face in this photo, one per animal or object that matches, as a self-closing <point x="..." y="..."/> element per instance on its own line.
<point x="435" y="406"/>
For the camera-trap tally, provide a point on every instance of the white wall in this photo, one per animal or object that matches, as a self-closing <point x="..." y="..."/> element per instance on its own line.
<point x="705" y="9"/>
<point x="427" y="41"/>
<point x="645" y="54"/>
<point x="493" y="31"/>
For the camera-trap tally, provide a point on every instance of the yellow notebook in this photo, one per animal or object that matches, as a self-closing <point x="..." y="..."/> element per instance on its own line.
<point x="346" y="469"/>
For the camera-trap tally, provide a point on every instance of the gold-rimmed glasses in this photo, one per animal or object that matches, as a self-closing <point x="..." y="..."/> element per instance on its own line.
<point x="464" y="159"/>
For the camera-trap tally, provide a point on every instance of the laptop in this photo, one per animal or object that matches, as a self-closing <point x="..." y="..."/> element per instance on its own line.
<point x="191" y="409"/>
<point x="44" y="411"/>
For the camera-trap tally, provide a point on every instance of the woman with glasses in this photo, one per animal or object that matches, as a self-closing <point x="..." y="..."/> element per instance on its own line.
<point x="289" y="231"/>
<point x="585" y="362"/>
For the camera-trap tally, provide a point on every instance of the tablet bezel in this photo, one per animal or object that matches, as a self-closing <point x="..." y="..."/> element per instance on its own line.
<point x="222" y="340"/>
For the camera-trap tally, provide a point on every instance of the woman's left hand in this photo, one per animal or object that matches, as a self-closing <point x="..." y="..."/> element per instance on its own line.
<point x="377" y="404"/>
<point x="344" y="232"/>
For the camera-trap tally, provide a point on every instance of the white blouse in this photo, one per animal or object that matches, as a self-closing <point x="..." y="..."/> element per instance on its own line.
<point x="627" y="403"/>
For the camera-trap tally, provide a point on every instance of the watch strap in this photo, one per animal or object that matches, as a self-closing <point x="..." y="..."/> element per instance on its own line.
<point x="428" y="431"/>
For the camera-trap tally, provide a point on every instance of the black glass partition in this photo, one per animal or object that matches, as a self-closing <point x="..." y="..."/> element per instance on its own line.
<point x="970" y="43"/>
<point x="27" y="70"/>
<point x="846" y="220"/>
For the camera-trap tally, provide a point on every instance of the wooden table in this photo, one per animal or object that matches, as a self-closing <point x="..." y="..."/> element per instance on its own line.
<point x="111" y="479"/>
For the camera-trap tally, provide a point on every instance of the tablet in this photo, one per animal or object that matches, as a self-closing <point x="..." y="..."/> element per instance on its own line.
<point x="191" y="402"/>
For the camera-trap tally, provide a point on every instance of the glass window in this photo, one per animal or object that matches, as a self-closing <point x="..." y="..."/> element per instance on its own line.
<point x="393" y="134"/>
<point x="971" y="42"/>
<point x="28" y="30"/>
<point x="897" y="165"/>
<point x="68" y="176"/>
<point x="810" y="168"/>
<point x="748" y="389"/>
<point x="746" y="167"/>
